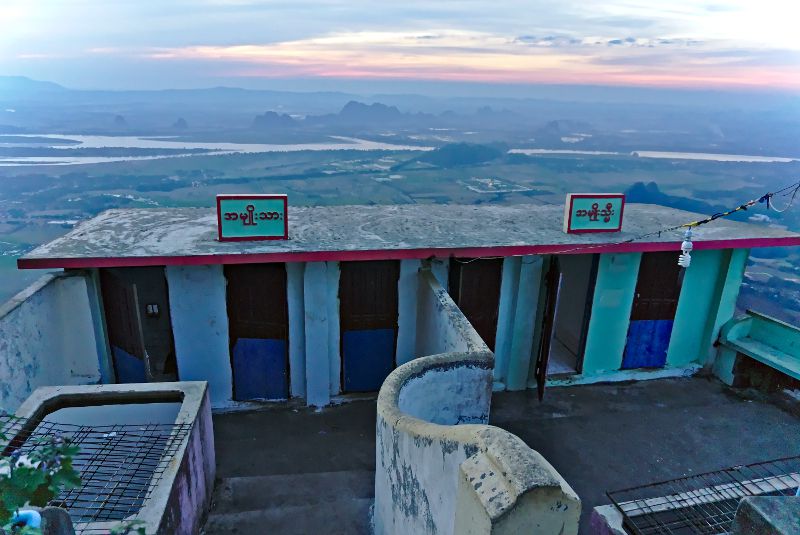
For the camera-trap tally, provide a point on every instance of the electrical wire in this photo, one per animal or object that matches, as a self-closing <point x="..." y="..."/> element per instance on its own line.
<point x="766" y="198"/>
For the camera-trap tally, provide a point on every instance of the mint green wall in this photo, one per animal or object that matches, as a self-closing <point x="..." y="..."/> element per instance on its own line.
<point x="696" y="303"/>
<point x="611" y="311"/>
<point x="708" y="299"/>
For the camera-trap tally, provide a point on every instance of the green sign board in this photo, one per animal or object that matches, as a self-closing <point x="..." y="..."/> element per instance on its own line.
<point x="593" y="212"/>
<point x="252" y="217"/>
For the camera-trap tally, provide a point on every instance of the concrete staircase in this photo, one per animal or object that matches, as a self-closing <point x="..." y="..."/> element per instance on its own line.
<point x="293" y="504"/>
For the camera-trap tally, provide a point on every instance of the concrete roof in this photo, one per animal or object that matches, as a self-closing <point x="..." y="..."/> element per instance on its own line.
<point x="161" y="236"/>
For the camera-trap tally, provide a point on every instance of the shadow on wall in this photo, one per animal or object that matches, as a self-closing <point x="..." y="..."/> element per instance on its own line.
<point x="439" y="468"/>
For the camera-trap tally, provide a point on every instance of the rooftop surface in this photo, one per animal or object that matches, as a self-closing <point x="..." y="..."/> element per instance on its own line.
<point x="293" y="470"/>
<point x="163" y="236"/>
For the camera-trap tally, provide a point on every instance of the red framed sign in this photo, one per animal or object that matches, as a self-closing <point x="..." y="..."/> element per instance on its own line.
<point x="252" y="217"/>
<point x="593" y="212"/>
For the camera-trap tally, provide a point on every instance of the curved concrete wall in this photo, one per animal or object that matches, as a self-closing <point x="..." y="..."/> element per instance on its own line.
<point x="439" y="468"/>
<point x="47" y="338"/>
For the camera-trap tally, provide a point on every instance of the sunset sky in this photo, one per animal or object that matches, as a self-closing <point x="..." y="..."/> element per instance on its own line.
<point x="738" y="44"/>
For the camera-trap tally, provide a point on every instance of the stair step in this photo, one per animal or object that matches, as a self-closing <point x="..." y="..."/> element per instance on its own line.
<point x="338" y="517"/>
<point x="239" y="494"/>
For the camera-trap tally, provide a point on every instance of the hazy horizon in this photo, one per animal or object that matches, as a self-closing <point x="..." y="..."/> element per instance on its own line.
<point x="472" y="45"/>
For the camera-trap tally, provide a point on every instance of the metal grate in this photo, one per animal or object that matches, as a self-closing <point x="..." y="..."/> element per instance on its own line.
<point x="703" y="503"/>
<point x="119" y="465"/>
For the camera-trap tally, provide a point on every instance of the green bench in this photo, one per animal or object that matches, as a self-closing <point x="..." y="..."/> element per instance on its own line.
<point x="768" y="340"/>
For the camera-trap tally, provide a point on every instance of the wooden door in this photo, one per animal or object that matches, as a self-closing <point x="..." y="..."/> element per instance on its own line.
<point x="475" y="288"/>
<point x="258" y="330"/>
<point x="368" y="322"/>
<point x="653" y="313"/>
<point x="552" y="280"/>
<point x="124" y="325"/>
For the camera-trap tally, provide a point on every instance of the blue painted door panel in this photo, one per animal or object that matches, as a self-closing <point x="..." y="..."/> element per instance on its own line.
<point x="368" y="358"/>
<point x="259" y="369"/>
<point x="648" y="341"/>
<point x="129" y="369"/>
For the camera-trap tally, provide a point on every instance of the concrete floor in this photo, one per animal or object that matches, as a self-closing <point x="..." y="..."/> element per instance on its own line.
<point x="293" y="470"/>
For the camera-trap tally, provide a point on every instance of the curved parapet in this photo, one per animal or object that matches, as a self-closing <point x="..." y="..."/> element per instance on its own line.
<point x="440" y="469"/>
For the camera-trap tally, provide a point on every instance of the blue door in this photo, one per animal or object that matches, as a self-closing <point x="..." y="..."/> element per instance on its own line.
<point x="258" y="330"/>
<point x="653" y="312"/>
<point x="368" y="321"/>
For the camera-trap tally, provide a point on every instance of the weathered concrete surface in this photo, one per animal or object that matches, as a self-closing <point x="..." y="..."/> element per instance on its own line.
<point x="768" y="515"/>
<point x="200" y="327"/>
<point x="158" y="232"/>
<point x="291" y="469"/>
<point x="177" y="504"/>
<point x="434" y="452"/>
<point x="47" y="338"/>
<point x="441" y="326"/>
<point x="612" y="436"/>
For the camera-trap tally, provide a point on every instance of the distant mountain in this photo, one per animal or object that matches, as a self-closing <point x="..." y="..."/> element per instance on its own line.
<point x="24" y="85"/>
<point x="272" y="121"/>
<point x="360" y="112"/>
<point x="457" y="154"/>
<point x="650" y="193"/>
<point x="180" y="124"/>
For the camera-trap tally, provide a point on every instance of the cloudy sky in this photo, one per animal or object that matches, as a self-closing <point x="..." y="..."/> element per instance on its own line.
<point x="740" y="44"/>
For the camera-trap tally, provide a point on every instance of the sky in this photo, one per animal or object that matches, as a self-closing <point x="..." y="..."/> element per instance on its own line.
<point x="154" y="44"/>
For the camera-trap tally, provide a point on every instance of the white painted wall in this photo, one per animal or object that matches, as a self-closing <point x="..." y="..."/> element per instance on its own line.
<point x="200" y="327"/>
<point x="334" y="333"/>
<point x="576" y="272"/>
<point x="522" y="337"/>
<point x="509" y="288"/>
<point x="297" y="329"/>
<point x="407" y="288"/>
<point x="441" y="326"/>
<point x="321" y="316"/>
<point x="47" y="338"/>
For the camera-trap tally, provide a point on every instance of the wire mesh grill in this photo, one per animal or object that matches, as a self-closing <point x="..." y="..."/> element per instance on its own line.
<point x="703" y="503"/>
<point x="119" y="465"/>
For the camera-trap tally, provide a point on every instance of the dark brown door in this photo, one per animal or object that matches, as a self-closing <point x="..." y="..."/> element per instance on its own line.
<point x="551" y="280"/>
<point x="258" y="330"/>
<point x="124" y="324"/>
<point x="653" y="312"/>
<point x="368" y="322"/>
<point x="475" y="288"/>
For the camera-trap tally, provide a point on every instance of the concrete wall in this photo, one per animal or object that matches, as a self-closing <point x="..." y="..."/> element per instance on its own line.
<point x="435" y="477"/>
<point x="434" y="451"/>
<point x="47" y="337"/>
<point x="200" y="327"/>
<point x="297" y="328"/>
<point x="611" y="312"/>
<point x="321" y="316"/>
<point x="178" y="502"/>
<point x="576" y="274"/>
<point x="441" y="327"/>
<point x="407" y="289"/>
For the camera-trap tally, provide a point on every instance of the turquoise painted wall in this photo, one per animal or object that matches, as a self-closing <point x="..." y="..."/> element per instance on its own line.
<point x="611" y="311"/>
<point x="698" y="301"/>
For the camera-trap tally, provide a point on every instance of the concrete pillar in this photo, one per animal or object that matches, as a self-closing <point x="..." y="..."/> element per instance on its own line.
<point x="199" y="315"/>
<point x="407" y="289"/>
<point x="524" y="325"/>
<point x="509" y="288"/>
<point x="317" y="338"/>
<point x="611" y="312"/>
<point x="334" y="333"/>
<point x="722" y="359"/>
<point x="297" y="330"/>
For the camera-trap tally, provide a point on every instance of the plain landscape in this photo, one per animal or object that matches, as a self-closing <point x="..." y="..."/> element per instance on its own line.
<point x="67" y="155"/>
